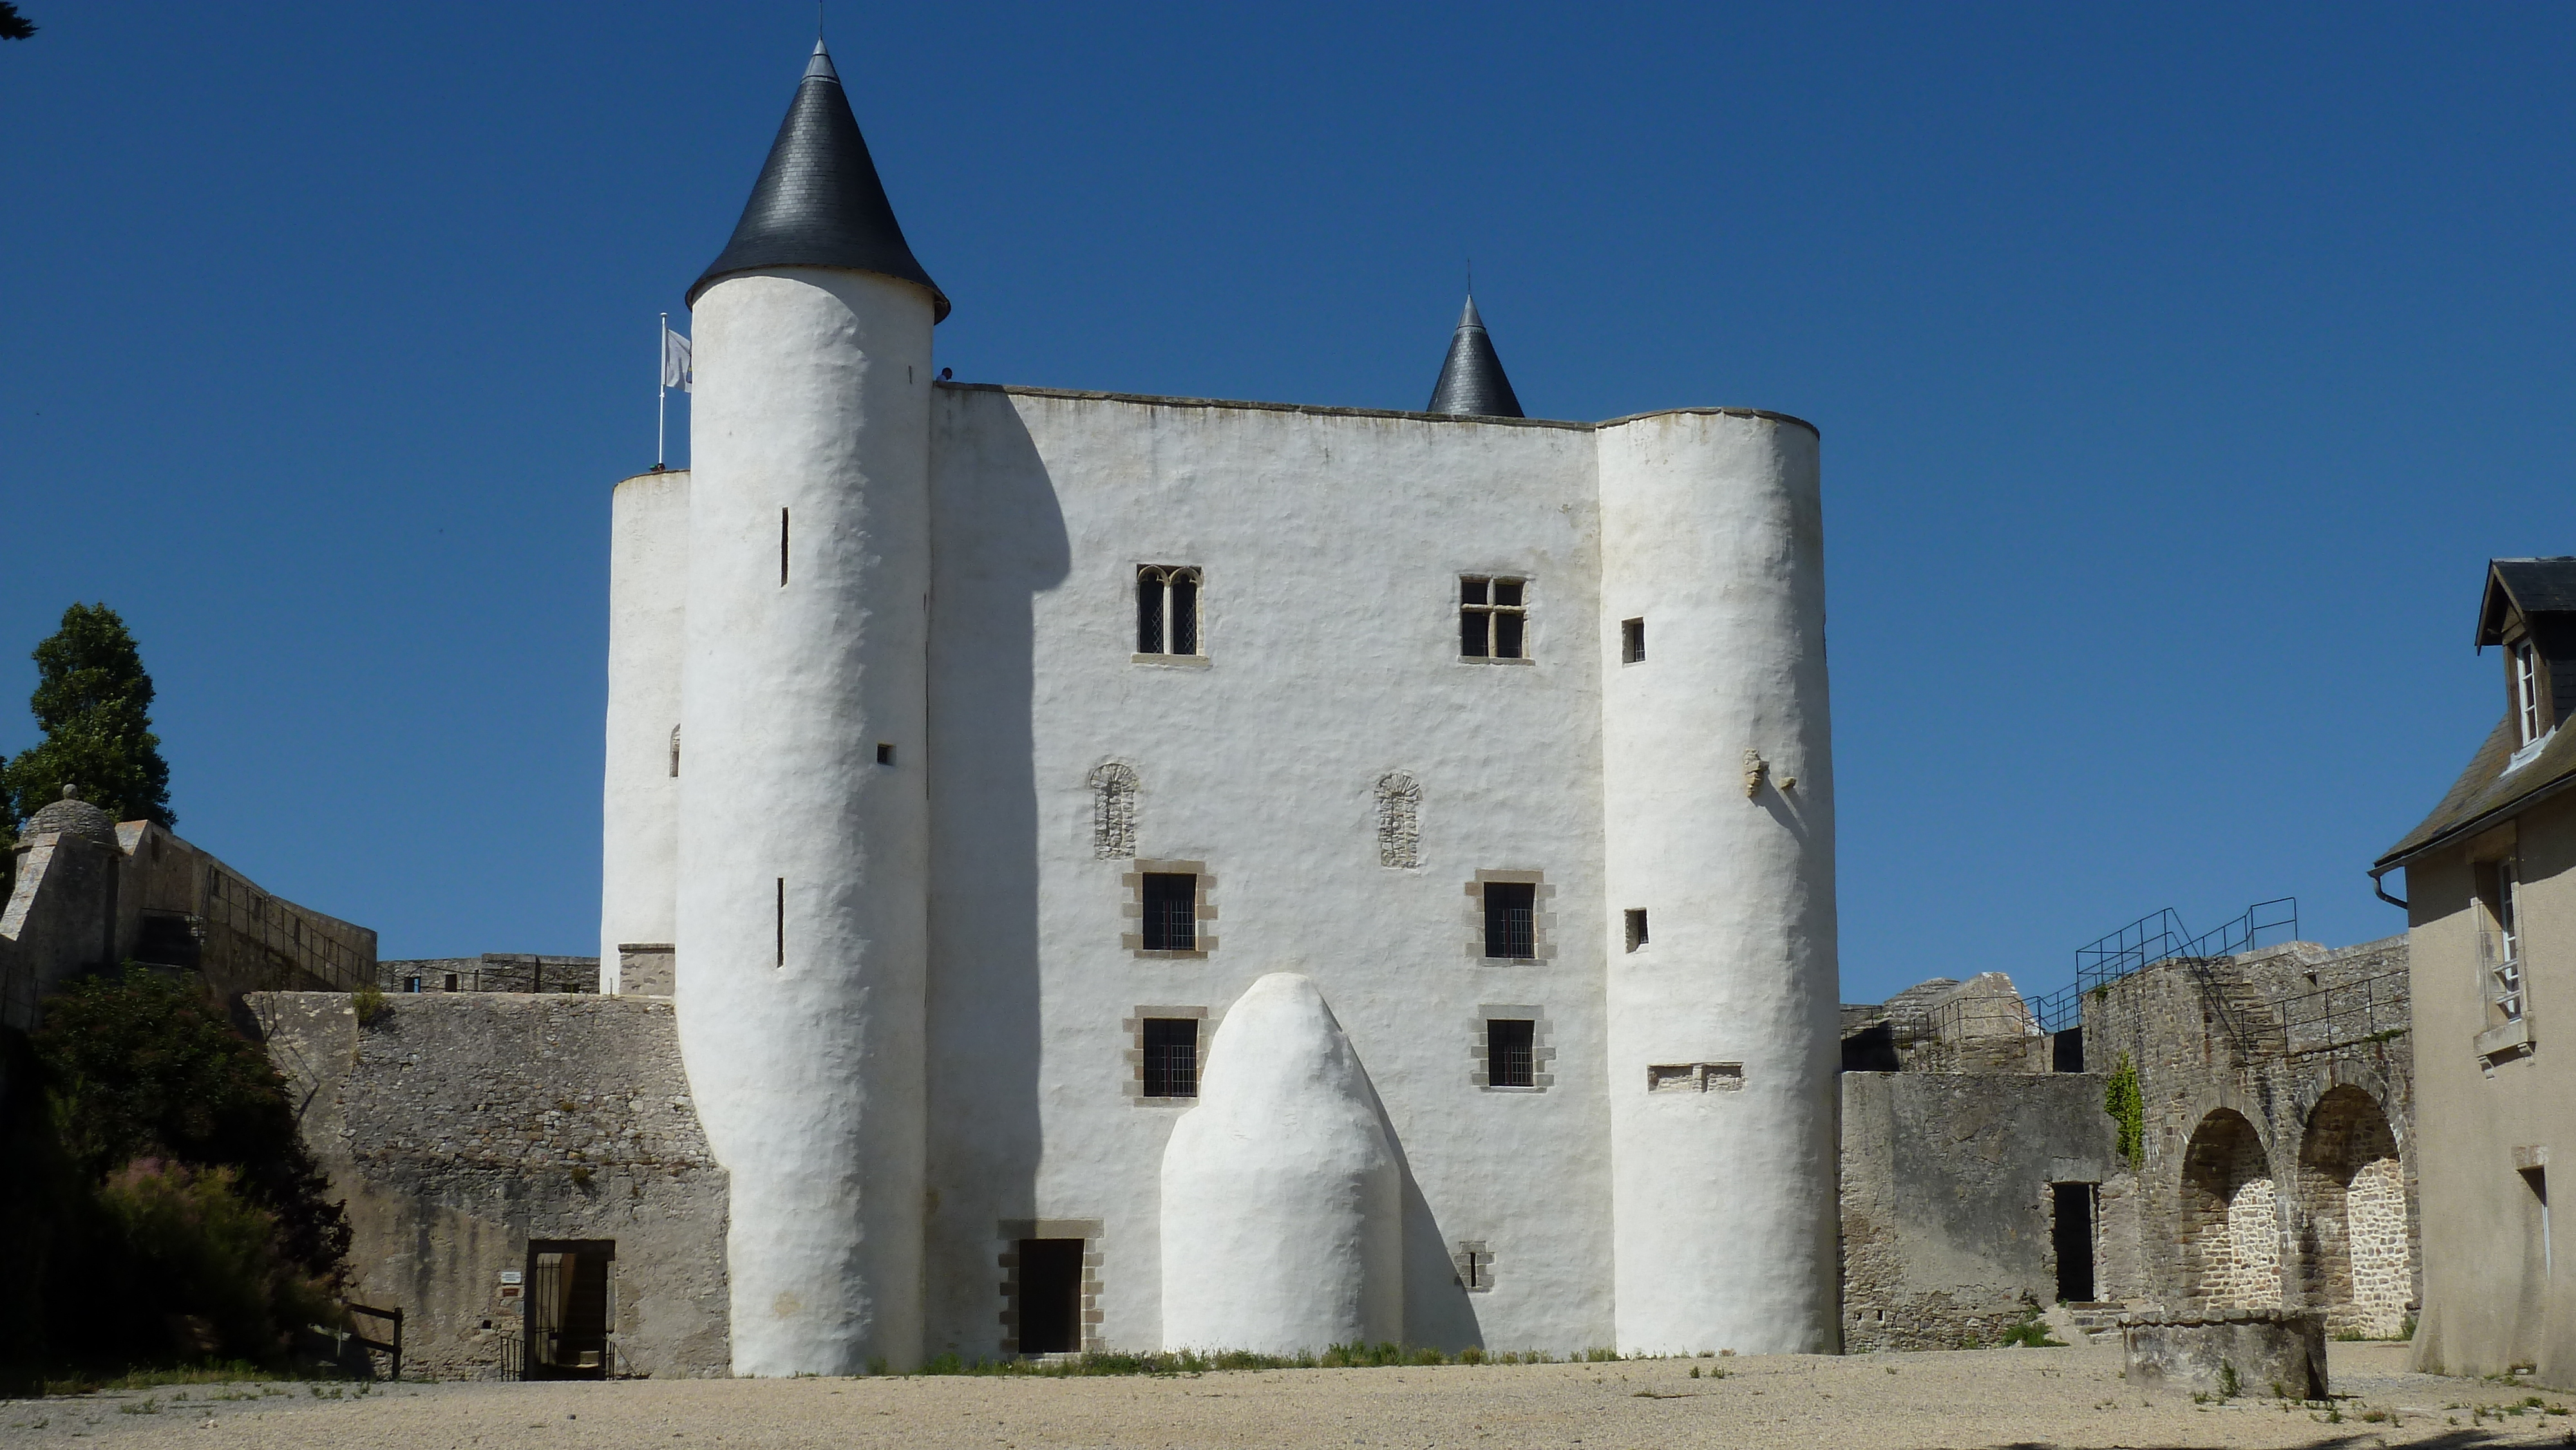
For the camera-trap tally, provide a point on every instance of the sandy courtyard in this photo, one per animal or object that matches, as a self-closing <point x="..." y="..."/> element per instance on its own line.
<point x="2008" y="1397"/>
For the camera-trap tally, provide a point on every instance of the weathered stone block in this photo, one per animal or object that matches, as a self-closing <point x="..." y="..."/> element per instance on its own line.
<point x="2264" y="1351"/>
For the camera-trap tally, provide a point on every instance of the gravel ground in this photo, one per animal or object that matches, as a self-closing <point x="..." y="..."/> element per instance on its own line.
<point x="2003" y="1397"/>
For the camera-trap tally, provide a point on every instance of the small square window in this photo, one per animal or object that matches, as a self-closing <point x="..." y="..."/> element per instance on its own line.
<point x="451" y="981"/>
<point x="1492" y="618"/>
<point x="1167" y="610"/>
<point x="1632" y="641"/>
<point x="1511" y="919"/>
<point x="1171" y="911"/>
<point x="1636" y="927"/>
<point x="885" y="753"/>
<point x="411" y="984"/>
<point x="1171" y="1057"/>
<point x="1510" y="1058"/>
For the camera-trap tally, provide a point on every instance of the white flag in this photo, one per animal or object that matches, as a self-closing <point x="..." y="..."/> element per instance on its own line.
<point x="678" y="368"/>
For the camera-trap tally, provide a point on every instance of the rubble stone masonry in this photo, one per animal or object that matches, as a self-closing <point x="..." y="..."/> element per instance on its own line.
<point x="461" y="1127"/>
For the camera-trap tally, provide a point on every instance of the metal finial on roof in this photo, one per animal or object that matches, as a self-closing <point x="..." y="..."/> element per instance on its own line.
<point x="1471" y="380"/>
<point x="818" y="202"/>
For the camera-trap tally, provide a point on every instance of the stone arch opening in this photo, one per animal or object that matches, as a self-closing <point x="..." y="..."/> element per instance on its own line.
<point x="2231" y="1216"/>
<point x="2352" y="1194"/>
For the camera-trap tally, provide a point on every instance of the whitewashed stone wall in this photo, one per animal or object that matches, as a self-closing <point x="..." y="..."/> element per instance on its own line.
<point x="1346" y="776"/>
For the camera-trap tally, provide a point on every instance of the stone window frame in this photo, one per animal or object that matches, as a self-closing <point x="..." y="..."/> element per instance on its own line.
<point x="1165" y="574"/>
<point x="1527" y="609"/>
<point x="1473" y="1263"/>
<point x="1134" y="1025"/>
<point x="1010" y="1232"/>
<point x="1664" y="1078"/>
<point x="1542" y="920"/>
<point x="1131" y="911"/>
<point x="1542" y="1046"/>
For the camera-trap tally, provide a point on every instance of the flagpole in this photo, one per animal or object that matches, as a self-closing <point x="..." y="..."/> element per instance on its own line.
<point x="662" y="392"/>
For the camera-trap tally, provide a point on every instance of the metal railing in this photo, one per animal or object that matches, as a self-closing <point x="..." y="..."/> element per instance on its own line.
<point x="2160" y="937"/>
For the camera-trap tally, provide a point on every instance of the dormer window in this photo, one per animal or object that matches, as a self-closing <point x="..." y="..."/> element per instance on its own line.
<point x="2525" y="663"/>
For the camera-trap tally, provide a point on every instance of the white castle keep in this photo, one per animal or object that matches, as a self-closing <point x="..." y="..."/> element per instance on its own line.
<point x="1158" y="872"/>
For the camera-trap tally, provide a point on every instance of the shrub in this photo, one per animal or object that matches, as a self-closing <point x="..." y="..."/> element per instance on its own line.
<point x="147" y="1068"/>
<point x="204" y="1262"/>
<point x="368" y="1002"/>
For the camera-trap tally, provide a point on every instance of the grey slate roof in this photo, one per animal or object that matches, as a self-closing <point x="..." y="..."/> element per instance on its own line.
<point x="2533" y="586"/>
<point x="2484" y="794"/>
<point x="1472" y="381"/>
<point x="2543" y="591"/>
<point x="818" y="202"/>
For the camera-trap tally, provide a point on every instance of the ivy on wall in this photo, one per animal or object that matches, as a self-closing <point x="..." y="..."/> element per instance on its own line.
<point x="2122" y="1100"/>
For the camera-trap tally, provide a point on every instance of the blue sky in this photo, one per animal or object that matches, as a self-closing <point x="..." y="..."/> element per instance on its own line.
<point x="2178" y="371"/>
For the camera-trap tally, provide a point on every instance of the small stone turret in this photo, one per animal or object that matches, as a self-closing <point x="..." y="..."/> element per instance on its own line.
<point x="70" y="816"/>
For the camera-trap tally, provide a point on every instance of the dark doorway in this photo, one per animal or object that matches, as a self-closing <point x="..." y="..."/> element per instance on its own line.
<point x="2073" y="1235"/>
<point x="2066" y="1050"/>
<point x="1050" y="1296"/>
<point x="568" y="1308"/>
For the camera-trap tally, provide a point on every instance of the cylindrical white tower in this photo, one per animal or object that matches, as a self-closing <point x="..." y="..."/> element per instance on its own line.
<point x="648" y="580"/>
<point x="804" y="819"/>
<point x="1717" y="766"/>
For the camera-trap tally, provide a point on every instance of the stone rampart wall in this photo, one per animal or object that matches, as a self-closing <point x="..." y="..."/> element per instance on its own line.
<point x="2275" y="1168"/>
<point x="1947" y="1203"/>
<point x="461" y="1127"/>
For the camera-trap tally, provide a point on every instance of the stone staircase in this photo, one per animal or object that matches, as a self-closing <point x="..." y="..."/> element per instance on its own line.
<point x="2097" y="1323"/>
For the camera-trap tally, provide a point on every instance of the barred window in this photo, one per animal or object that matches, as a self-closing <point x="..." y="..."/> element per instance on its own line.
<point x="1511" y="919"/>
<point x="1492" y="617"/>
<point x="1510" y="1056"/>
<point x="1171" y="911"/>
<point x="1171" y="1057"/>
<point x="1167" y="610"/>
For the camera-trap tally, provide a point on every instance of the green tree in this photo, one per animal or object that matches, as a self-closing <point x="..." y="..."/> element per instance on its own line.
<point x="94" y="702"/>
<point x="156" y="1203"/>
<point x="14" y="26"/>
<point x="147" y="1068"/>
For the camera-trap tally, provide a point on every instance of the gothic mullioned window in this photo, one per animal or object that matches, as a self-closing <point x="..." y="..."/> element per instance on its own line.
<point x="1167" y="610"/>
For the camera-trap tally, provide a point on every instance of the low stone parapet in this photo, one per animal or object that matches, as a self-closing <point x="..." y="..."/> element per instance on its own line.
<point x="2277" y="1352"/>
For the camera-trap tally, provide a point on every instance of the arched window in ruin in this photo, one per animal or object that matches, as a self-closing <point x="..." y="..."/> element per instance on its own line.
<point x="2352" y="1194"/>
<point x="1399" y="824"/>
<point x="1113" y="812"/>
<point x="2231" y="1217"/>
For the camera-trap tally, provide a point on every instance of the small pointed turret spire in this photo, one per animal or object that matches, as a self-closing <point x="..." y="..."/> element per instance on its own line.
<point x="818" y="202"/>
<point x="1471" y="381"/>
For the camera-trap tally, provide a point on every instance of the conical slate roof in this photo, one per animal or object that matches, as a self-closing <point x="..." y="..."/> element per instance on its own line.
<point x="818" y="202"/>
<point x="1472" y="381"/>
